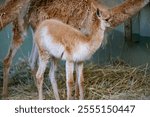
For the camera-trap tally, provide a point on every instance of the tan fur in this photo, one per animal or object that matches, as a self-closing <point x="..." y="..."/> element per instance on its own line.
<point x="17" y="41"/>
<point x="58" y="32"/>
<point x="126" y="10"/>
<point x="13" y="10"/>
<point x="72" y="12"/>
<point x="52" y="35"/>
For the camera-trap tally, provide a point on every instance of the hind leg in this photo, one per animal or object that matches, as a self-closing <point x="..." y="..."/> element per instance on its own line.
<point x="79" y="81"/>
<point x="40" y="75"/>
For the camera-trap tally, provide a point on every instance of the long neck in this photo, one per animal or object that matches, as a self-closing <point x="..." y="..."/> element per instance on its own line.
<point x="94" y="32"/>
<point x="127" y="9"/>
<point x="97" y="37"/>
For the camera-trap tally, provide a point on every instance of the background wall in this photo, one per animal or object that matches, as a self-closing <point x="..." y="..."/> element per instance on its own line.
<point x="135" y="54"/>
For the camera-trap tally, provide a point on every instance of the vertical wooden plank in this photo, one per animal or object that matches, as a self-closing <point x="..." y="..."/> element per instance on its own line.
<point x="139" y="23"/>
<point x="136" y="39"/>
<point x="128" y="30"/>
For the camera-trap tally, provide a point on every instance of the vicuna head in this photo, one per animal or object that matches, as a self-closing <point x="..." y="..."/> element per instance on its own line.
<point x="98" y="19"/>
<point x="104" y="18"/>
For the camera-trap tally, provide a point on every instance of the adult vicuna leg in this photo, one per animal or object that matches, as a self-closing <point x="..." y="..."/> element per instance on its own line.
<point x="53" y="68"/>
<point x="15" y="44"/>
<point x="33" y="59"/>
<point x="79" y="80"/>
<point x="33" y="56"/>
<point x="40" y="76"/>
<point x="69" y="78"/>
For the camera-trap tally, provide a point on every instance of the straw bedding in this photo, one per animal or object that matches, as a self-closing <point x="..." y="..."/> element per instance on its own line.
<point x="117" y="81"/>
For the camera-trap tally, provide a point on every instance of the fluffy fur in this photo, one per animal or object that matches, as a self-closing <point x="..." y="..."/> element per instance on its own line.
<point x="57" y="40"/>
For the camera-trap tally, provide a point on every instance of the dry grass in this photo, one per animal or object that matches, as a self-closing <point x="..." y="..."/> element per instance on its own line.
<point x="118" y="81"/>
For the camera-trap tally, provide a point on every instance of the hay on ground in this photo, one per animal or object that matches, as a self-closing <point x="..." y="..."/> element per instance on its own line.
<point x="101" y="82"/>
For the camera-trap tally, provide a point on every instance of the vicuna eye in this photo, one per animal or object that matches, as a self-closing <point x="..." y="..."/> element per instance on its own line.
<point x="107" y="20"/>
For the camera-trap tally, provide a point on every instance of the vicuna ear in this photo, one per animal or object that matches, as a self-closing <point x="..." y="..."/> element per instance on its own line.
<point x="98" y="13"/>
<point x="93" y="7"/>
<point x="105" y="15"/>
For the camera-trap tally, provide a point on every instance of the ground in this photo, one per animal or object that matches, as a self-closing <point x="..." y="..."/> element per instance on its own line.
<point x="116" y="81"/>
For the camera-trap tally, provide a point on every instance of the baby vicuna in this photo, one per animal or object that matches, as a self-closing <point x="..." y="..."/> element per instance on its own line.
<point x="56" y="40"/>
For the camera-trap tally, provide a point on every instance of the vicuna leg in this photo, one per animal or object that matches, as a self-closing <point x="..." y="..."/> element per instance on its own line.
<point x="33" y="58"/>
<point x="76" y="85"/>
<point x="53" y="68"/>
<point x="40" y="76"/>
<point x="69" y="78"/>
<point x="15" y="44"/>
<point x="79" y="81"/>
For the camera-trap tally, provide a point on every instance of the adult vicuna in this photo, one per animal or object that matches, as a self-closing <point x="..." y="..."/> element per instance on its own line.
<point x="56" y="40"/>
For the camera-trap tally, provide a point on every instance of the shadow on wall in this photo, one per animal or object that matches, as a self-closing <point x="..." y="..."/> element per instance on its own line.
<point x="135" y="53"/>
<point x="2" y="1"/>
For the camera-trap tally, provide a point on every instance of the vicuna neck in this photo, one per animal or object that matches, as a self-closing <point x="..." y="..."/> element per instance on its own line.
<point x="96" y="37"/>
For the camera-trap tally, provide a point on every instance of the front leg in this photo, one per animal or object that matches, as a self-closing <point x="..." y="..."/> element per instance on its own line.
<point x="76" y="84"/>
<point x="69" y="78"/>
<point x="79" y="81"/>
